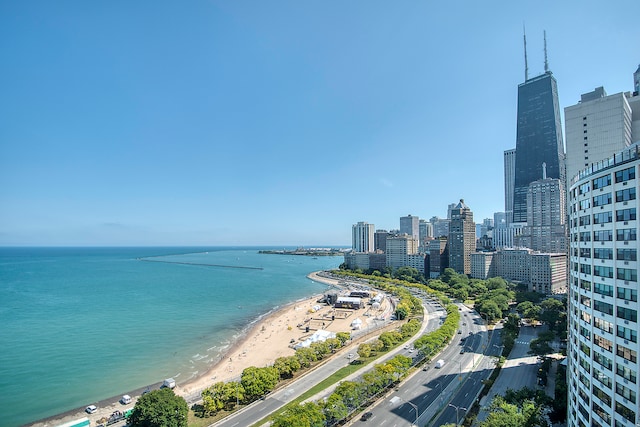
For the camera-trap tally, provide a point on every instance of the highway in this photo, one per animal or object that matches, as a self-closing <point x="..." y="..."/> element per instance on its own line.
<point x="425" y="398"/>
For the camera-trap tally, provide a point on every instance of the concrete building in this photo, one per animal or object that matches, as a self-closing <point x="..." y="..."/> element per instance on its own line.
<point x="462" y="238"/>
<point x="509" y="182"/>
<point x="546" y="217"/>
<point x="482" y="265"/>
<point x="595" y="128"/>
<point x="410" y="225"/>
<point x="541" y="272"/>
<point x="440" y="227"/>
<point x="438" y="256"/>
<point x="362" y="237"/>
<point x="380" y="240"/>
<point x="398" y="250"/>
<point x="417" y="261"/>
<point x="603" y="346"/>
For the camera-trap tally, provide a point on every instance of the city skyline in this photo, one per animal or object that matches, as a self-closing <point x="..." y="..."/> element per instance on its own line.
<point x="246" y="123"/>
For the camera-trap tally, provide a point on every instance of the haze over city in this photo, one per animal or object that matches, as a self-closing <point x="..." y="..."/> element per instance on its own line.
<point x="279" y="123"/>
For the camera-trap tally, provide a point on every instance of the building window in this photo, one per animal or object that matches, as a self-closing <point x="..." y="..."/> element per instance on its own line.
<point x="626" y="353"/>
<point x="603" y="289"/>
<point x="602" y="217"/>
<point x="627" y="334"/>
<point x="584" y="188"/>
<point x="626" y="174"/>
<point x="585" y="220"/>
<point x="603" y="236"/>
<point x="626" y="373"/>
<point x="603" y="253"/>
<point x="603" y="307"/>
<point x="627" y="294"/>
<point x="627" y="314"/>
<point x="626" y="254"/>
<point x="602" y="342"/>
<point x="629" y="274"/>
<point x="626" y="234"/>
<point x="626" y="214"/>
<point x="602" y="181"/>
<point x="625" y="412"/>
<point x="626" y="194"/>
<point x="602" y="199"/>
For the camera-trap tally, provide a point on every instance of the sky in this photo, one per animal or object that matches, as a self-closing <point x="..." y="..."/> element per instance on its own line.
<point x="274" y="123"/>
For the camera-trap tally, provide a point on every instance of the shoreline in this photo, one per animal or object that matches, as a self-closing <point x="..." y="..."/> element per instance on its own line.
<point x="277" y="326"/>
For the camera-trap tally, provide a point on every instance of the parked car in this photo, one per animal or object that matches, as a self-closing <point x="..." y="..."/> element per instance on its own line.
<point x="125" y="400"/>
<point x="366" y="416"/>
<point x="91" y="409"/>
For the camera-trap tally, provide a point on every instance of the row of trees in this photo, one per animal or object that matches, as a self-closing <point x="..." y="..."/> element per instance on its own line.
<point x="347" y="398"/>
<point x="389" y="339"/>
<point x="257" y="382"/>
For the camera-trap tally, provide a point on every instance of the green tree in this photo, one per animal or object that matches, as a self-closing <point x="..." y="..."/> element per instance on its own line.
<point x="343" y="337"/>
<point x="335" y="409"/>
<point x="287" y="366"/>
<point x="259" y="381"/>
<point x="308" y="415"/>
<point x="159" y="408"/>
<point x="364" y="350"/>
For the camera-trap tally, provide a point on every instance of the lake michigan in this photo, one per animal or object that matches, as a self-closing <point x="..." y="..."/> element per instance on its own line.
<point x="78" y="325"/>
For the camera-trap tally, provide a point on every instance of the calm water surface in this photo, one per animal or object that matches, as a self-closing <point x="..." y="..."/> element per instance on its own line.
<point x="83" y="324"/>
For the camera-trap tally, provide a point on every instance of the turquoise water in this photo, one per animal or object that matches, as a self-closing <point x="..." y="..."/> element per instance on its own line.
<point x="78" y="325"/>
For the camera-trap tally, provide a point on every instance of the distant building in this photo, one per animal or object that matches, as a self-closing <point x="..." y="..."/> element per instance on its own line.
<point x="362" y="237"/>
<point x="440" y="227"/>
<point x="462" y="238"/>
<point x="438" y="256"/>
<point x="541" y="272"/>
<point x="509" y="182"/>
<point x="538" y="139"/>
<point x="380" y="240"/>
<point x="410" y="225"/>
<point x="416" y="261"/>
<point x="398" y="250"/>
<point x="546" y="229"/>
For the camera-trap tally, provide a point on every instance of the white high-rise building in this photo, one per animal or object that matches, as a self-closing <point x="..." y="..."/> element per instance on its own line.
<point x="362" y="239"/>
<point x="603" y="366"/>
<point x="596" y="127"/>
<point x="509" y="182"/>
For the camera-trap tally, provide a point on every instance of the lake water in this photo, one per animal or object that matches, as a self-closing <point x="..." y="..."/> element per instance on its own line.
<point x="82" y="324"/>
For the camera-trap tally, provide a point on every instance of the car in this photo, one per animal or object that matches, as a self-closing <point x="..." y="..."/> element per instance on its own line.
<point x="350" y="356"/>
<point x="91" y="409"/>
<point x="366" y="416"/>
<point x="464" y="323"/>
<point x="462" y="351"/>
<point x="125" y="400"/>
<point x="459" y="331"/>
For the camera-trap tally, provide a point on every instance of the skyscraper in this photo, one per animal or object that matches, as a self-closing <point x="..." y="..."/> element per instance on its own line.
<point x="362" y="237"/>
<point x="462" y="238"/>
<point x="602" y="346"/>
<point x="538" y="138"/>
<point x="596" y="127"/>
<point x="509" y="181"/>
<point x="410" y="225"/>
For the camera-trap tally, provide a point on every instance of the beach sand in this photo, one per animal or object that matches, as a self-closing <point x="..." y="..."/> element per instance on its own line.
<point x="269" y="339"/>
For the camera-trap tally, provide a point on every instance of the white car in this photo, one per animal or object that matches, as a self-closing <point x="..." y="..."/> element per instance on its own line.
<point x="91" y="409"/>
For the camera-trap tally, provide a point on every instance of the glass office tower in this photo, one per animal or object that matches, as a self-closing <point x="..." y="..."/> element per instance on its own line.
<point x="538" y="140"/>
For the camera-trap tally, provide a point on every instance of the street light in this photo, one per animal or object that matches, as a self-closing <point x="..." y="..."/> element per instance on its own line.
<point x="456" y="408"/>
<point x="395" y="400"/>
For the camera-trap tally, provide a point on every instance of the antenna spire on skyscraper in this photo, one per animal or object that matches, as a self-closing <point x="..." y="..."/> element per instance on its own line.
<point x="546" y="63"/>
<point x="526" y="66"/>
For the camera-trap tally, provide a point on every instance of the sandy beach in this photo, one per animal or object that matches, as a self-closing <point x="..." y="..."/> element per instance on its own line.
<point x="270" y="338"/>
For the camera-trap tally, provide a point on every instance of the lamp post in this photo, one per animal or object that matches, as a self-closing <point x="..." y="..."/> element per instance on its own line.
<point x="457" y="408"/>
<point x="395" y="399"/>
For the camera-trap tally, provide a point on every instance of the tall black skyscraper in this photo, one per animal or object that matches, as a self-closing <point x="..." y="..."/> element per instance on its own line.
<point x="539" y="137"/>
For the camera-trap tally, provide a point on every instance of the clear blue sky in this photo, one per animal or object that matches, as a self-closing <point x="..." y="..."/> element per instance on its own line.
<point x="274" y="122"/>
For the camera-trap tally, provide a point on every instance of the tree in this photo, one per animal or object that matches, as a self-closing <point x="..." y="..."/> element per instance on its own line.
<point x="287" y="366"/>
<point x="259" y="381"/>
<point x="335" y="409"/>
<point x="159" y="408"/>
<point x="343" y="337"/>
<point x="308" y="415"/>
<point x="364" y="350"/>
